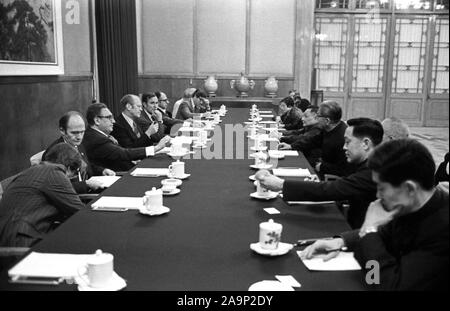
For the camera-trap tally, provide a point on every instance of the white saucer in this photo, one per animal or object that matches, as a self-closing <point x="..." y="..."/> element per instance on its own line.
<point x="175" y="155"/>
<point x="270" y="286"/>
<point x="176" y="181"/>
<point x="117" y="283"/>
<point x="268" y="122"/>
<point x="173" y="192"/>
<point x="263" y="148"/>
<point x="283" y="248"/>
<point x="182" y="178"/>
<point x="270" y="195"/>
<point x="261" y="167"/>
<point x="162" y="210"/>
<point x="252" y="177"/>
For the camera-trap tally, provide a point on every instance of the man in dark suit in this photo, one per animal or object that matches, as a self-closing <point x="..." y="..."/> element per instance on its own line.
<point x="38" y="197"/>
<point x="403" y="242"/>
<point x="361" y="138"/>
<point x="72" y="128"/>
<point x="126" y="129"/>
<point x="291" y="116"/>
<point x="168" y="121"/>
<point x="103" y="149"/>
<point x="333" y="160"/>
<point x="151" y="116"/>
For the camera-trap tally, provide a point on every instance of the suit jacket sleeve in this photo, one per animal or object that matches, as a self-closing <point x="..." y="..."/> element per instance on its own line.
<point x="109" y="151"/>
<point x="307" y="141"/>
<point x="341" y="189"/>
<point x="60" y="192"/>
<point x="122" y="135"/>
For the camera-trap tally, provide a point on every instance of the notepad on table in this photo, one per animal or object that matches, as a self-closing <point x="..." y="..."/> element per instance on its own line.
<point x="291" y="172"/>
<point x="43" y="265"/>
<point x="150" y="172"/>
<point x="345" y="261"/>
<point x="105" y="181"/>
<point x="110" y="203"/>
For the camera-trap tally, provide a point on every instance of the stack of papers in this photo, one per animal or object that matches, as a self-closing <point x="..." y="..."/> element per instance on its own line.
<point x="291" y="172"/>
<point x="107" y="202"/>
<point x="41" y="265"/>
<point x="345" y="261"/>
<point x="150" y="172"/>
<point x="286" y="153"/>
<point x="105" y="181"/>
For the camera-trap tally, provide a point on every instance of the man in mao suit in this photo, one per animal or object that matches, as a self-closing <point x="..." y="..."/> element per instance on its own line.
<point x="72" y="128"/>
<point x="126" y="128"/>
<point x="361" y="138"/>
<point x="103" y="149"/>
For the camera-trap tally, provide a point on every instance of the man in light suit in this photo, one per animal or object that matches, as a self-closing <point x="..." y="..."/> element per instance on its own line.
<point x="72" y="128"/>
<point x="185" y="109"/>
<point x="103" y="149"/>
<point x="38" y="197"/>
<point x="126" y="128"/>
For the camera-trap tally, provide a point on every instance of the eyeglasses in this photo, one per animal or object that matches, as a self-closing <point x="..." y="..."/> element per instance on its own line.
<point x="110" y="117"/>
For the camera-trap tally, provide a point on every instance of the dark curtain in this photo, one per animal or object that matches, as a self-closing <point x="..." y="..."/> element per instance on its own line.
<point x="116" y="50"/>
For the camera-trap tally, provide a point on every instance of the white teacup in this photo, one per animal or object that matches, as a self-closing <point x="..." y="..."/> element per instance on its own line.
<point x="217" y="118"/>
<point x="98" y="270"/>
<point x="270" y="234"/>
<point x="176" y="169"/>
<point x="260" y="189"/>
<point x="177" y="147"/>
<point x="153" y="200"/>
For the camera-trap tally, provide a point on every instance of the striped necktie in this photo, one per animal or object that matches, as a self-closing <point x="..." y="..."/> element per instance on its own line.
<point x="136" y="130"/>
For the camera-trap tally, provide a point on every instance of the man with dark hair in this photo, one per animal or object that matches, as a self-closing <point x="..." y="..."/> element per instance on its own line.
<point x="308" y="140"/>
<point x="127" y="130"/>
<point x="72" y="128"/>
<point x="38" y="197"/>
<point x="361" y="137"/>
<point x="333" y="159"/>
<point x="103" y="149"/>
<point x="406" y="231"/>
<point x="291" y="116"/>
<point x="168" y="121"/>
<point x="201" y="103"/>
<point x="151" y="117"/>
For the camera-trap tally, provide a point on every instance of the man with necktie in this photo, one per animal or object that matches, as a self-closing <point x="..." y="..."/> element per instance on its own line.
<point x="102" y="149"/>
<point x="72" y="128"/>
<point x="151" y="117"/>
<point x="126" y="128"/>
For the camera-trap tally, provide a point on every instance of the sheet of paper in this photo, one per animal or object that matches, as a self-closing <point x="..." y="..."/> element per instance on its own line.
<point x="288" y="280"/>
<point x="292" y="172"/>
<point x="343" y="262"/>
<point x="150" y="172"/>
<point x="287" y="153"/>
<point x="189" y="129"/>
<point x="183" y="140"/>
<point x="49" y="265"/>
<point x="272" y="211"/>
<point x="265" y="111"/>
<point x="105" y="181"/>
<point x="310" y="202"/>
<point x="119" y="202"/>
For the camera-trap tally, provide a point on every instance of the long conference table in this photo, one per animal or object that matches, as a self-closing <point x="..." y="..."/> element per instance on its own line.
<point x="203" y="244"/>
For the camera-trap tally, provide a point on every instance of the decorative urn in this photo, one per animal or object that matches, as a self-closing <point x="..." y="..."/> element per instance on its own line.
<point x="271" y="87"/>
<point x="243" y="85"/>
<point x="211" y="86"/>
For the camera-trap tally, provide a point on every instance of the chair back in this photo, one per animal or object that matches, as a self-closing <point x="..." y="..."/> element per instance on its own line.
<point x="37" y="158"/>
<point x="175" y="108"/>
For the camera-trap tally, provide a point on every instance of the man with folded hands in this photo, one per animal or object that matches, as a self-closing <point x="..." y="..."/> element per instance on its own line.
<point x="104" y="150"/>
<point x="403" y="242"/>
<point x="72" y="128"/>
<point x="361" y="138"/>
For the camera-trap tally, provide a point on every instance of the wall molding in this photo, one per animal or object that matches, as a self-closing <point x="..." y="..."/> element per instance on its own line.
<point x="45" y="79"/>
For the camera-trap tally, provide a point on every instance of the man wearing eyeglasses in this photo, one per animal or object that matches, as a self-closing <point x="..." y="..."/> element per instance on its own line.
<point x="168" y="121"/>
<point x="103" y="149"/>
<point x="72" y="128"/>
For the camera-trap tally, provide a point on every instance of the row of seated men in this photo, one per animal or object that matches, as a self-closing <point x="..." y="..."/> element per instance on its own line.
<point x="391" y="193"/>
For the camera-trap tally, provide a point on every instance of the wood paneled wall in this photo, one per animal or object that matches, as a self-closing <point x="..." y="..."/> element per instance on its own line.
<point x="30" y="107"/>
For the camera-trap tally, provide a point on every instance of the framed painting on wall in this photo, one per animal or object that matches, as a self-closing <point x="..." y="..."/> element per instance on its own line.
<point x="31" y="41"/>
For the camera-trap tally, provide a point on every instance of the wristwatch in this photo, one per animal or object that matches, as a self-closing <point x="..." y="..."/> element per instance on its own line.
<point x="367" y="230"/>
